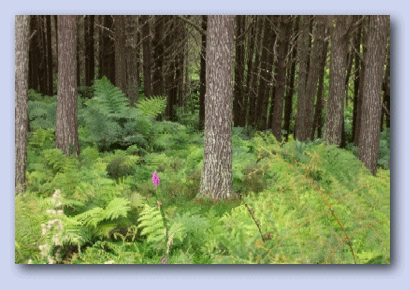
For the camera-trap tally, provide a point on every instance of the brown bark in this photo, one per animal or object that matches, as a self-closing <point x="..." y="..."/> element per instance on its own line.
<point x="318" y="119"/>
<point x="34" y="55"/>
<point x="132" y="60"/>
<point x="250" y="63"/>
<point x="313" y="77"/>
<point x="89" y="49"/>
<point x="338" y="63"/>
<point x="290" y="88"/>
<point x="386" y="92"/>
<point x="107" y="57"/>
<point x="238" y="111"/>
<point x="66" y="115"/>
<point x="147" y="57"/>
<point x="303" y="52"/>
<point x="22" y="29"/>
<point x="373" y="78"/>
<point x="356" y="83"/>
<point x="120" y="53"/>
<point x="202" y="76"/>
<point x="216" y="179"/>
<point x="50" y="88"/>
<point x="283" y="41"/>
<point x="158" y="46"/>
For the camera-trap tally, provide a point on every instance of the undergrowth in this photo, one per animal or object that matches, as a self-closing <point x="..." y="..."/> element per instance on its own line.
<point x="300" y="202"/>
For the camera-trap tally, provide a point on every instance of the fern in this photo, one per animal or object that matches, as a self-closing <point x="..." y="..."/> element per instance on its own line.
<point x="152" y="107"/>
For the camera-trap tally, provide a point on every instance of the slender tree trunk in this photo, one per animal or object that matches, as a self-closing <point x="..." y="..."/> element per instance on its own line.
<point x="202" y="76"/>
<point x="158" y="44"/>
<point x="170" y="81"/>
<point x="239" y="118"/>
<point x="318" y="119"/>
<point x="108" y="50"/>
<point x="312" y="80"/>
<point x="266" y="74"/>
<point x="290" y="89"/>
<point x="216" y="179"/>
<point x="255" y="73"/>
<point x="89" y="49"/>
<point x="356" y="45"/>
<point x="386" y="92"/>
<point x="147" y="58"/>
<point x="338" y="63"/>
<point x="131" y="60"/>
<point x="120" y="53"/>
<point x="22" y="29"/>
<point x="303" y="47"/>
<point x="49" y="58"/>
<point x="250" y="51"/>
<point x="376" y="52"/>
<point x="283" y="41"/>
<point x="66" y="116"/>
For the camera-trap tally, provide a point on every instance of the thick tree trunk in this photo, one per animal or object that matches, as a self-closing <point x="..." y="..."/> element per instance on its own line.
<point x="22" y="29"/>
<point x="338" y="63"/>
<point x="283" y="41"/>
<point x="216" y="179"/>
<point x="202" y="75"/>
<point x="147" y="58"/>
<point x="66" y="116"/>
<point x="373" y="78"/>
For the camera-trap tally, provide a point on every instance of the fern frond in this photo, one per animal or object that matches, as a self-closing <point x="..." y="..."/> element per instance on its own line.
<point x="152" y="107"/>
<point x="116" y="208"/>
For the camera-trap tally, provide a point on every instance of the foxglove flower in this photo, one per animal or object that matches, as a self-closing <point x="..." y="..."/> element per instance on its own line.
<point x="155" y="179"/>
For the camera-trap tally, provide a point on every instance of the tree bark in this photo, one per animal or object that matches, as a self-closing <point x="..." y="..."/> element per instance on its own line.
<point x="238" y="112"/>
<point x="131" y="60"/>
<point x="66" y="115"/>
<point x="290" y="89"/>
<point x="49" y="58"/>
<point x="89" y="49"/>
<point x="338" y="63"/>
<point x="216" y="179"/>
<point x="202" y="76"/>
<point x="373" y="78"/>
<point x="303" y="52"/>
<point x="22" y="29"/>
<point x="283" y="41"/>
<point x="147" y="57"/>
<point x="120" y="53"/>
<point x="158" y="44"/>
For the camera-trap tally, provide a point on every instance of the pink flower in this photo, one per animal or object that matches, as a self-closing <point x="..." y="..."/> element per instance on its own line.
<point x="155" y="179"/>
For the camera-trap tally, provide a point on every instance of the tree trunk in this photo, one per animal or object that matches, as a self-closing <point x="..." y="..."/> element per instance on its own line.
<point x="356" y="83"/>
<point x="89" y="49"/>
<point x="216" y="179"/>
<point x="49" y="58"/>
<point x="338" y="63"/>
<point x="22" y="29"/>
<point x="255" y="73"/>
<point x="312" y="80"/>
<point x="147" y="58"/>
<point x="238" y="112"/>
<point x="265" y="82"/>
<point x="318" y="119"/>
<point x="66" y="116"/>
<point x="290" y="89"/>
<point x="373" y="78"/>
<point x="303" y="51"/>
<point x="34" y="55"/>
<point x="131" y="60"/>
<point x="108" y="50"/>
<point x="283" y="41"/>
<point x="202" y="76"/>
<point x="120" y="55"/>
<point x="158" y="44"/>
<point x="386" y="92"/>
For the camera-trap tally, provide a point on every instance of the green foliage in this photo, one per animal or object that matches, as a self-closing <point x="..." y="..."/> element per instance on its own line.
<point x="153" y="106"/>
